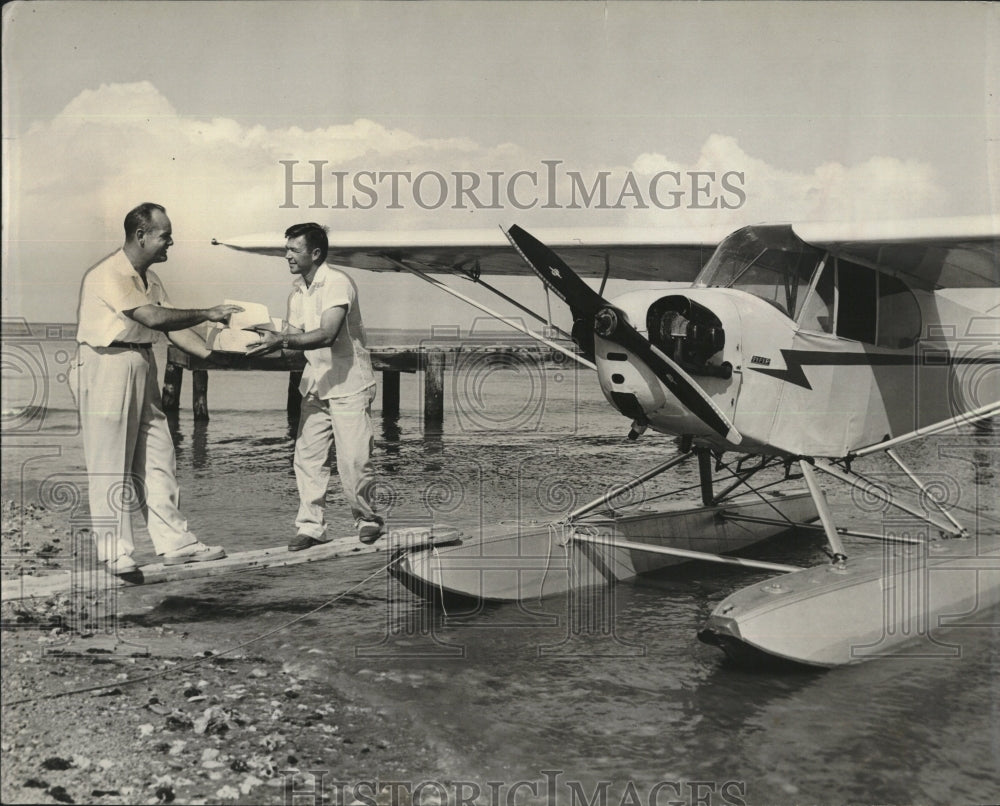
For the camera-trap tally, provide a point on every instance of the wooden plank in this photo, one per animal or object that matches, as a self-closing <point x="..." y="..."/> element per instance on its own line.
<point x="240" y="562"/>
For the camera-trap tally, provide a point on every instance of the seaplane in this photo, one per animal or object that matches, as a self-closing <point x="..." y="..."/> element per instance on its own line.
<point x="771" y="356"/>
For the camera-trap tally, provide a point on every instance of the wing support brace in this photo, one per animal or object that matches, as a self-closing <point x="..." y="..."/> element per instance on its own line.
<point x="509" y="322"/>
<point x="475" y="278"/>
<point x="928" y="430"/>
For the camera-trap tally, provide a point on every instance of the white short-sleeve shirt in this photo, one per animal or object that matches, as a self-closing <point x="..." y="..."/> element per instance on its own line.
<point x="110" y="288"/>
<point x="345" y="368"/>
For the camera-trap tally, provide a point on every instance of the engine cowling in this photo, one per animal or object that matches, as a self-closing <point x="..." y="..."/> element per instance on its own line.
<point x="691" y="334"/>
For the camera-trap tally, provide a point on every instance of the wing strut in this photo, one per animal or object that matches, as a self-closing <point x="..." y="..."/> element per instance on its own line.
<point x="515" y="303"/>
<point x="928" y="430"/>
<point x="604" y="279"/>
<point x="510" y="322"/>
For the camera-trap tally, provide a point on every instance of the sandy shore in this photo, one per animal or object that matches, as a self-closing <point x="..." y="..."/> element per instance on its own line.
<point x="160" y="719"/>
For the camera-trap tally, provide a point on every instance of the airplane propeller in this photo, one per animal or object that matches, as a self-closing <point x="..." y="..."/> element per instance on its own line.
<point x="592" y="310"/>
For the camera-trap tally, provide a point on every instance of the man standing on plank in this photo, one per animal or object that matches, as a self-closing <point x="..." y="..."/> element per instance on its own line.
<point x="338" y="387"/>
<point x="126" y="440"/>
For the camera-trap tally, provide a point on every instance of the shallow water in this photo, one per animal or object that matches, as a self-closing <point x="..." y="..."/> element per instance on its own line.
<point x="611" y="687"/>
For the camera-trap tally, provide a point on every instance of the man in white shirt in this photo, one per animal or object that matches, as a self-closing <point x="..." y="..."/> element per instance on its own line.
<point x="338" y="387"/>
<point x="126" y="440"/>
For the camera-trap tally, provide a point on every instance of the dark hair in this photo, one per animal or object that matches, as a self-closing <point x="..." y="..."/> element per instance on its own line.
<point x="315" y="236"/>
<point x="141" y="216"/>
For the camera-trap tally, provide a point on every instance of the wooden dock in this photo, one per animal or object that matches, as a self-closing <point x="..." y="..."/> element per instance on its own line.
<point x="390" y="361"/>
<point x="93" y="574"/>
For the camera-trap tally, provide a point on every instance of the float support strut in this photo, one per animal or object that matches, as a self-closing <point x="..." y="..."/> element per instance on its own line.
<point x="839" y="557"/>
<point x="624" y="488"/>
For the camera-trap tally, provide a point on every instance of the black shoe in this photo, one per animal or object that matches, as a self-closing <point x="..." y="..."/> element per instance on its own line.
<point x="370" y="531"/>
<point x="300" y="542"/>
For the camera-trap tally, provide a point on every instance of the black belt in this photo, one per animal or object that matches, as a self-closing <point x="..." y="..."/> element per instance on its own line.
<point x="132" y="345"/>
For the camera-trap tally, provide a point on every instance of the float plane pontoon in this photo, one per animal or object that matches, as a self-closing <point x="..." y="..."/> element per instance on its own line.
<point x="793" y="352"/>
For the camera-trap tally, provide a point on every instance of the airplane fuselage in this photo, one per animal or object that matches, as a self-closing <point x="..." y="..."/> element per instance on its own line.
<point x="798" y="390"/>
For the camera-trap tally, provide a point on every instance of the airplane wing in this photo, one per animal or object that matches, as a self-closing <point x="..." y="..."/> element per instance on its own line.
<point x="632" y="254"/>
<point x="931" y="253"/>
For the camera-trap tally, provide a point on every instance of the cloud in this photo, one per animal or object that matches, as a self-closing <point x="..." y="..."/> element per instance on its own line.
<point x="73" y="177"/>
<point x="879" y="188"/>
<point x="126" y="142"/>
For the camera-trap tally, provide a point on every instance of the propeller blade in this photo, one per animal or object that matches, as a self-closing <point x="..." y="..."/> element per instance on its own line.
<point x="583" y="301"/>
<point x="565" y="282"/>
<point x="612" y="325"/>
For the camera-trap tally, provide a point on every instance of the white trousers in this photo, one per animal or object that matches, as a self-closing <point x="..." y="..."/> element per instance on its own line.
<point x="129" y="452"/>
<point x="347" y="423"/>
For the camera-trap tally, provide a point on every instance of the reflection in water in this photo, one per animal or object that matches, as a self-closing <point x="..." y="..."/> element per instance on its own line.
<point x="176" y="432"/>
<point x="199" y="440"/>
<point x="199" y="445"/>
<point x="433" y="447"/>
<point x="390" y="434"/>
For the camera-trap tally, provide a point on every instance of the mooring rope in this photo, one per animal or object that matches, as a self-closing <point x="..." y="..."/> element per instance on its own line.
<point x="553" y="528"/>
<point x="437" y="558"/>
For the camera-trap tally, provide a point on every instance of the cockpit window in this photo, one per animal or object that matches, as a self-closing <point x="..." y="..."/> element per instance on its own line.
<point x="818" y="313"/>
<point x="770" y="263"/>
<point x="856" y="301"/>
<point x="849" y="299"/>
<point x="864" y="305"/>
<point x="899" y="320"/>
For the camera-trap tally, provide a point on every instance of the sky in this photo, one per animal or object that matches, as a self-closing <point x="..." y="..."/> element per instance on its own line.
<point x="764" y="112"/>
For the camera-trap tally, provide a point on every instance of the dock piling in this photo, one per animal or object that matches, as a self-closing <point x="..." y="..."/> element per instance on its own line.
<point x="390" y="393"/>
<point x="173" y="379"/>
<point x="390" y="361"/>
<point x="199" y="394"/>
<point x="434" y="363"/>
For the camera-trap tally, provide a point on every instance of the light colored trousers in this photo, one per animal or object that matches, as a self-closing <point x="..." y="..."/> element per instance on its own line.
<point x="347" y="423"/>
<point x="129" y="452"/>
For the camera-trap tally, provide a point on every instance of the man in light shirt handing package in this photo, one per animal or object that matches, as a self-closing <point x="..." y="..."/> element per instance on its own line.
<point x="126" y="440"/>
<point x="338" y="388"/>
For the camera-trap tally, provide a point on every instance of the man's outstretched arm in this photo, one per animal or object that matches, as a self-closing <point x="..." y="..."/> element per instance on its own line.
<point x="190" y="342"/>
<point x="323" y="336"/>
<point x="157" y="317"/>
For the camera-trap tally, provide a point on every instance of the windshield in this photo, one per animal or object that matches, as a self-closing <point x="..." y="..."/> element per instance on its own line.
<point x="769" y="262"/>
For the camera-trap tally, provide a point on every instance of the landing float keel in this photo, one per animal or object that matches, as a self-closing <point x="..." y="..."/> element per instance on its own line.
<point x="519" y="562"/>
<point x="894" y="603"/>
